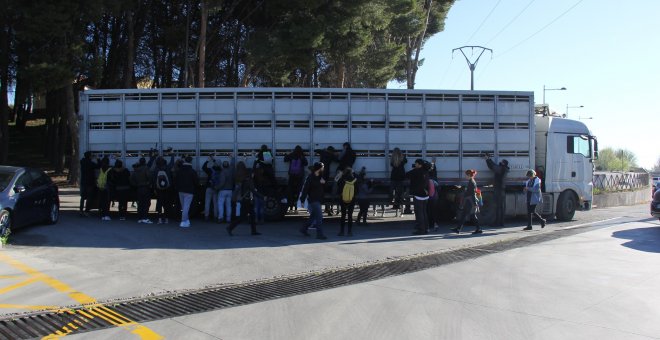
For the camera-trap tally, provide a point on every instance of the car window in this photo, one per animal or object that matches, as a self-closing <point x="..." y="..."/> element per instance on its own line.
<point x="38" y="178"/>
<point x="5" y="178"/>
<point x="24" y="180"/>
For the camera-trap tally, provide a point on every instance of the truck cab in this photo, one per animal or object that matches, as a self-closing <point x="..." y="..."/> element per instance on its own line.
<point x="565" y="152"/>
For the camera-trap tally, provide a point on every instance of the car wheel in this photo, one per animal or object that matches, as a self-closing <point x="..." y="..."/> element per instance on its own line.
<point x="5" y="223"/>
<point x="54" y="213"/>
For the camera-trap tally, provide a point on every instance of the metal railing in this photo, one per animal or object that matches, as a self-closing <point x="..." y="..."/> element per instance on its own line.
<point x="621" y="181"/>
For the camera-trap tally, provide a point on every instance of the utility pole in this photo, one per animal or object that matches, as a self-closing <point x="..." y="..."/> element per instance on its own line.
<point x="472" y="65"/>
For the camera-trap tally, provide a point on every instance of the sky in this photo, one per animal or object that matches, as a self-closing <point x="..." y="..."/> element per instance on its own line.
<point x="604" y="52"/>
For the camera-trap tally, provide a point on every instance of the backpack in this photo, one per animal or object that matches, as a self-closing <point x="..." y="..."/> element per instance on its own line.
<point x="162" y="180"/>
<point x="268" y="157"/>
<point x="102" y="180"/>
<point x="432" y="188"/>
<point x="216" y="182"/>
<point x="296" y="166"/>
<point x="348" y="192"/>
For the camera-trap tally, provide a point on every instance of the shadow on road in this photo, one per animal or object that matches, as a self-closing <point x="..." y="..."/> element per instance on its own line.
<point x="642" y="239"/>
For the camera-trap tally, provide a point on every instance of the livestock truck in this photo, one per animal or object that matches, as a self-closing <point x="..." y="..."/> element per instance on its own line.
<point x="453" y="128"/>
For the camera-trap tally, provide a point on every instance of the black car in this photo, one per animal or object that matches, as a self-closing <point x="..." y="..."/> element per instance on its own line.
<point x="27" y="196"/>
<point x="655" y="204"/>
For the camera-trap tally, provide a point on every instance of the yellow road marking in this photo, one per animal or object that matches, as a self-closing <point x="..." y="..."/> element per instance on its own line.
<point x="93" y="307"/>
<point x="23" y="283"/>
<point x="30" y="307"/>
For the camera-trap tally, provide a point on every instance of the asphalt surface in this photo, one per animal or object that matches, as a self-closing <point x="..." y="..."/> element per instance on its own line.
<point x="600" y="283"/>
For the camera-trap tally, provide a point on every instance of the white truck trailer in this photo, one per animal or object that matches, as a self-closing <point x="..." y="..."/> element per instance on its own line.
<point x="456" y="128"/>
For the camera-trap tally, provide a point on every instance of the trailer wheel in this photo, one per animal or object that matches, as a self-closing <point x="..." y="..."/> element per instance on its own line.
<point x="566" y="205"/>
<point x="275" y="209"/>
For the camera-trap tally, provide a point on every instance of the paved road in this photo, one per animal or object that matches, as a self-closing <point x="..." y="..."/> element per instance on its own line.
<point x="538" y="291"/>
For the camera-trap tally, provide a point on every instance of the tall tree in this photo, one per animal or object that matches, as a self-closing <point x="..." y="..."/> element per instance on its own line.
<point x="6" y="33"/>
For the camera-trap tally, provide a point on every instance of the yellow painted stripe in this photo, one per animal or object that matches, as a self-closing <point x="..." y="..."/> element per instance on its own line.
<point x="115" y="314"/>
<point x="21" y="284"/>
<point x="9" y="276"/>
<point x="91" y="303"/>
<point x="30" y="307"/>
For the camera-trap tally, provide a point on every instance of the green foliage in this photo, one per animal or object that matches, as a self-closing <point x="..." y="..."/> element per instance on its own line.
<point x="615" y="160"/>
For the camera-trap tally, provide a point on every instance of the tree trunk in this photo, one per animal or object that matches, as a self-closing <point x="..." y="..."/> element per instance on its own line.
<point x="202" y="46"/>
<point x="72" y="120"/>
<point x="418" y="44"/>
<point x="4" y="84"/>
<point x="129" y="69"/>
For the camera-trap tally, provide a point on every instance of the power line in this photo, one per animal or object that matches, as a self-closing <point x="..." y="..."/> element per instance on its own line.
<point x="484" y="21"/>
<point x="510" y="22"/>
<point x="540" y="30"/>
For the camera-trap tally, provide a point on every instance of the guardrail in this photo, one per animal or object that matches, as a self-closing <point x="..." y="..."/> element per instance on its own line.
<point x="621" y="181"/>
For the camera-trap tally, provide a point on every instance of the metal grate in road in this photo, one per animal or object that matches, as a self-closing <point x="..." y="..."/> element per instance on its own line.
<point x="117" y="314"/>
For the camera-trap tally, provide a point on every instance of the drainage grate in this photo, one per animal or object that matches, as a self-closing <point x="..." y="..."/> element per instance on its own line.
<point x="116" y="314"/>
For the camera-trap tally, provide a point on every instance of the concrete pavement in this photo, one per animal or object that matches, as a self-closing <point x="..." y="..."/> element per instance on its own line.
<point x="602" y="284"/>
<point x="117" y="260"/>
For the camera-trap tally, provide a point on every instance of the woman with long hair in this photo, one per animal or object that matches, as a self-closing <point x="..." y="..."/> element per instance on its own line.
<point x="470" y="206"/>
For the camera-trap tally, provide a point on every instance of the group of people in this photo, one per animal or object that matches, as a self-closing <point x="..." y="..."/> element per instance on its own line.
<point x="234" y="193"/>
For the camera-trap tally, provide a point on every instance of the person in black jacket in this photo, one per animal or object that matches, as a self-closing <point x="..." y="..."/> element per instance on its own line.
<point x="119" y="183"/>
<point x="419" y="179"/>
<point x="186" y="183"/>
<point x="245" y="194"/>
<point x="326" y="157"/>
<point x="87" y="182"/>
<point x="141" y="178"/>
<point x="346" y="157"/>
<point x="499" y="171"/>
<point x="161" y="172"/>
<point x="313" y="193"/>
<point x="397" y="176"/>
<point x="297" y="164"/>
<point x="347" y="203"/>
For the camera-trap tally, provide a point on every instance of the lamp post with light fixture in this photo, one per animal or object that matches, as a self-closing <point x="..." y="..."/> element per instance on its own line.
<point x="572" y="107"/>
<point x="544" y="89"/>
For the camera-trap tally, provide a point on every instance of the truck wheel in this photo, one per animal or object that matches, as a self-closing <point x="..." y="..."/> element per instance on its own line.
<point x="566" y="205"/>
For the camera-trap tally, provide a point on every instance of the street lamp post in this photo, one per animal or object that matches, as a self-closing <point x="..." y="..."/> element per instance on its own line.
<point x="572" y="107"/>
<point x="544" y="89"/>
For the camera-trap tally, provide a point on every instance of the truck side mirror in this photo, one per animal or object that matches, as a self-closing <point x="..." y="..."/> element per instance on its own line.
<point x="19" y="189"/>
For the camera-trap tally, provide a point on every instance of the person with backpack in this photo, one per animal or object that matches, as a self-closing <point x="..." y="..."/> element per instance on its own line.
<point x="348" y="189"/>
<point x="212" y="187"/>
<point x="103" y="193"/>
<point x="313" y="192"/>
<point x="226" y="188"/>
<point x="88" y="166"/>
<point x="141" y="179"/>
<point x="161" y="172"/>
<point x="244" y="194"/>
<point x="265" y="159"/>
<point x="469" y="206"/>
<point x="419" y="181"/>
<point x="119" y="182"/>
<point x="364" y="188"/>
<point x="297" y="164"/>
<point x="186" y="183"/>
